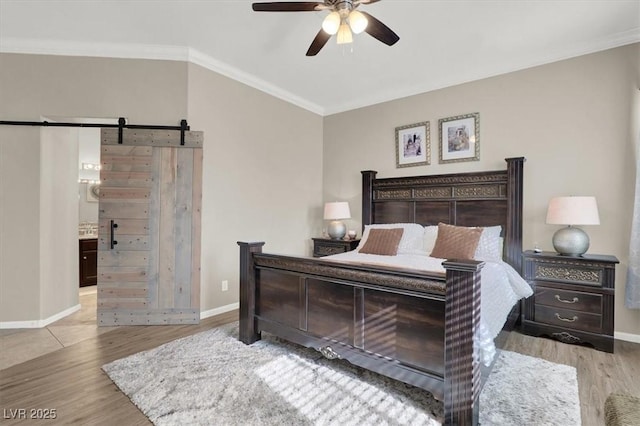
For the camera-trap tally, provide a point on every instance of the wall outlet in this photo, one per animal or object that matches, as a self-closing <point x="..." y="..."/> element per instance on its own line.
<point x="225" y="285"/>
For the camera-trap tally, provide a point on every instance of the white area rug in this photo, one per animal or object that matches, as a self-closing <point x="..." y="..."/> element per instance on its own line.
<point x="211" y="378"/>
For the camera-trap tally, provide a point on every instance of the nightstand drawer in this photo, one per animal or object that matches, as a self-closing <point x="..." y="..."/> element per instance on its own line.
<point x="326" y="247"/>
<point x="327" y="250"/>
<point x="568" y="273"/>
<point x="565" y="299"/>
<point x="568" y="318"/>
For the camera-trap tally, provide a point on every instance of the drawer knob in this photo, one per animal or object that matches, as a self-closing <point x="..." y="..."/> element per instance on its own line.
<point x="559" y="299"/>
<point x="575" y="318"/>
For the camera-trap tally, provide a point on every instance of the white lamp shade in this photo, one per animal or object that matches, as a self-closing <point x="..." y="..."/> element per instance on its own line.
<point x="344" y="34"/>
<point x="573" y="211"/>
<point x="357" y="21"/>
<point x="337" y="210"/>
<point x="331" y="23"/>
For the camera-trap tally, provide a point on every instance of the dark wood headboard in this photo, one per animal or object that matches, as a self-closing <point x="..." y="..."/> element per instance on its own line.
<point x="464" y="199"/>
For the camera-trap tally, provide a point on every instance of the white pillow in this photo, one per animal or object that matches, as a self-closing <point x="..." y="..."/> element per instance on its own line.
<point x="430" y="237"/>
<point x="411" y="241"/>
<point x="490" y="245"/>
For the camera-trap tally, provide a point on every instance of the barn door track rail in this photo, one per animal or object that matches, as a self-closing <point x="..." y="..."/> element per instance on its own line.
<point x="122" y="124"/>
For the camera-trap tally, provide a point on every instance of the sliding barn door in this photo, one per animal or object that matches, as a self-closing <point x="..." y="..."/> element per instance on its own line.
<point x="149" y="235"/>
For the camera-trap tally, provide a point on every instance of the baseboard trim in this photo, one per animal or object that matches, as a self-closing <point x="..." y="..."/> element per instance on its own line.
<point x="220" y="310"/>
<point x="39" y="323"/>
<point x="627" y="337"/>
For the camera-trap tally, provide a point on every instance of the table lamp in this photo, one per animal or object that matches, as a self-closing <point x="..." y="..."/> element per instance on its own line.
<point x="334" y="212"/>
<point x="572" y="241"/>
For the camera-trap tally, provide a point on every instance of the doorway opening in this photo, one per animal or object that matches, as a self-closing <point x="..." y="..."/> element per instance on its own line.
<point x="70" y="174"/>
<point x="151" y="170"/>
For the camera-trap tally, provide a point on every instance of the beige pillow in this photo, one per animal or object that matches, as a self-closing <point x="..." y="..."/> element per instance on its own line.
<point x="411" y="241"/>
<point x="456" y="242"/>
<point x="383" y="241"/>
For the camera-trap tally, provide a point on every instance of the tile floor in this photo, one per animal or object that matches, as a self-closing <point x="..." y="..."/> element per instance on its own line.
<point x="20" y="345"/>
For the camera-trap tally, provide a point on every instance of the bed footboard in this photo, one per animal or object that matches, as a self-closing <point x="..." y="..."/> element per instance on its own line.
<point x="412" y="326"/>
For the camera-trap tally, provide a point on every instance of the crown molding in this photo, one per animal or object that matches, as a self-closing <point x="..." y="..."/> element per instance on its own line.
<point x="206" y="61"/>
<point x="146" y="51"/>
<point x="100" y="50"/>
<point x="187" y="54"/>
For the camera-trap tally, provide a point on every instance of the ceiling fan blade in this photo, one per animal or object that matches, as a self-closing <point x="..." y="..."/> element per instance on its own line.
<point x="365" y="1"/>
<point x="287" y="6"/>
<point x="380" y="31"/>
<point x="318" y="43"/>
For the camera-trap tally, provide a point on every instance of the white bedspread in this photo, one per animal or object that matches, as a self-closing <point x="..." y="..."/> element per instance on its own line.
<point x="501" y="288"/>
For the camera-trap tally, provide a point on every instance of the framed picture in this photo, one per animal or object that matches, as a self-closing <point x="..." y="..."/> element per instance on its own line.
<point x="413" y="145"/>
<point x="460" y="138"/>
<point x="93" y="192"/>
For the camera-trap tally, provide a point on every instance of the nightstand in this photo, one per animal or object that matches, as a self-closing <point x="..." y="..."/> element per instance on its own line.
<point x="327" y="246"/>
<point x="573" y="299"/>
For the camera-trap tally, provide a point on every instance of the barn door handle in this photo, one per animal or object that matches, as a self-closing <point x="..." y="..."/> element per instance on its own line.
<point x="113" y="234"/>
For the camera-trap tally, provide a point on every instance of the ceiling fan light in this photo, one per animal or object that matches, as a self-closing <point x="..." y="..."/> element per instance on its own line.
<point x="331" y="23"/>
<point x="344" y="34"/>
<point x="357" y="21"/>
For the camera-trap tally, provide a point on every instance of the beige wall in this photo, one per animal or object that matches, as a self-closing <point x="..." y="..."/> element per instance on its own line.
<point x="262" y="168"/>
<point x="33" y="86"/>
<point x="19" y="222"/>
<point x="571" y="120"/>
<point x="262" y="176"/>
<point x="59" y="261"/>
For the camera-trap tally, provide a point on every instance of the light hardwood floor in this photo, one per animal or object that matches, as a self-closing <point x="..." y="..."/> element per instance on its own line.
<point x="70" y="380"/>
<point x="599" y="373"/>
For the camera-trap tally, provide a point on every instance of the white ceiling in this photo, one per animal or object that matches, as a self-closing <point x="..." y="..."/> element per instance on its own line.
<point x="442" y="43"/>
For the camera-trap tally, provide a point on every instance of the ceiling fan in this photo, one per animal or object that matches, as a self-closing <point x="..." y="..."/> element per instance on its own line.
<point x="342" y="20"/>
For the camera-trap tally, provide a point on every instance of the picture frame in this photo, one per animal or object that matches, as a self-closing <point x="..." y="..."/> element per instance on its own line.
<point x="459" y="138"/>
<point x="413" y="145"/>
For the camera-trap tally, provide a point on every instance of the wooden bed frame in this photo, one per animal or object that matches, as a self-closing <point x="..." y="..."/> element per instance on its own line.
<point x="412" y="326"/>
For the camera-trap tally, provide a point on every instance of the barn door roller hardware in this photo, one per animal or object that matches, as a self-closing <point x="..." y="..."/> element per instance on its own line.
<point x="122" y="124"/>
